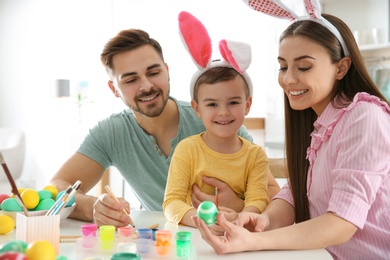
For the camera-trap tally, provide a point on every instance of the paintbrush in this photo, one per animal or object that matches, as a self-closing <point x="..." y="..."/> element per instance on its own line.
<point x="14" y="190"/>
<point x="111" y="193"/>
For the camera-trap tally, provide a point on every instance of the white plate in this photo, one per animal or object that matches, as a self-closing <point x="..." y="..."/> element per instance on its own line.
<point x="64" y="213"/>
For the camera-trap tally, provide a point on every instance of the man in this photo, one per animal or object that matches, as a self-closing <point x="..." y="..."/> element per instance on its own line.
<point x="139" y="142"/>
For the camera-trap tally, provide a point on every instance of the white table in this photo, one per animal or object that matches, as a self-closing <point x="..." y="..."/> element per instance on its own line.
<point x="203" y="250"/>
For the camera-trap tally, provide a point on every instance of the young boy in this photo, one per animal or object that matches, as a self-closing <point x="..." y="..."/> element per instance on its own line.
<point x="221" y="98"/>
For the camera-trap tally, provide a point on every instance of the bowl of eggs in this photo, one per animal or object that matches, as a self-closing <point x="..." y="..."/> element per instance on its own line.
<point x="36" y="202"/>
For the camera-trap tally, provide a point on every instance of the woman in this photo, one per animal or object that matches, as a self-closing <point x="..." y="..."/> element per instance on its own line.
<point x="338" y="154"/>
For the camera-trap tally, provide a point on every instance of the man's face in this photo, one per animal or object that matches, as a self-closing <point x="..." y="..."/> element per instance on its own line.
<point x="140" y="78"/>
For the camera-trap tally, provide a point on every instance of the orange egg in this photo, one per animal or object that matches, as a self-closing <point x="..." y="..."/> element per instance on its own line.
<point x="41" y="250"/>
<point x="30" y="198"/>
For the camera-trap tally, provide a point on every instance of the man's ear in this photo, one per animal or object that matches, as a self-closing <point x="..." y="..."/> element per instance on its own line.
<point x="195" y="106"/>
<point x="113" y="89"/>
<point x="342" y="67"/>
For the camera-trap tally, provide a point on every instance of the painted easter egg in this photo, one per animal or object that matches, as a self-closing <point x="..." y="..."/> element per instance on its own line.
<point x="44" y="194"/>
<point x="3" y="197"/>
<point x="12" y="256"/>
<point x="208" y="212"/>
<point x="45" y="204"/>
<point x="7" y="224"/>
<point x="14" y="245"/>
<point x="11" y="204"/>
<point x="71" y="200"/>
<point x="30" y="198"/>
<point x="53" y="190"/>
<point x="41" y="250"/>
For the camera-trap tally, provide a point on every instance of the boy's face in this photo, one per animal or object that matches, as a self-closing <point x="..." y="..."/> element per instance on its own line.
<point x="222" y="106"/>
<point x="140" y="78"/>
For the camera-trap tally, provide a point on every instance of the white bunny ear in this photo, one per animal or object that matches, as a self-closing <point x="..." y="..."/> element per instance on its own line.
<point x="313" y="8"/>
<point x="195" y="38"/>
<point x="274" y="8"/>
<point x="237" y="54"/>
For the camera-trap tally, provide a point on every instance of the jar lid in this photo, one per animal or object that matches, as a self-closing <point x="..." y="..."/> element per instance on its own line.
<point x="183" y="235"/>
<point x="125" y="256"/>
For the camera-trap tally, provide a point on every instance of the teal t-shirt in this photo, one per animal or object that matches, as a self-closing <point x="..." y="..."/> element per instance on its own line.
<point x="120" y="142"/>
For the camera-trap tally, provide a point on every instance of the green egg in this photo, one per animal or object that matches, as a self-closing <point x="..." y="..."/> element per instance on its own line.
<point x="44" y="194"/>
<point x="14" y="245"/>
<point x="11" y="204"/>
<point x="45" y="204"/>
<point x="70" y="202"/>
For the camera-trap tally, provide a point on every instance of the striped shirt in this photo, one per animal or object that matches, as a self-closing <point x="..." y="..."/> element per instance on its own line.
<point x="349" y="174"/>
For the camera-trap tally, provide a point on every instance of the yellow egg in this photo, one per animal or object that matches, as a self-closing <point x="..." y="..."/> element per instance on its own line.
<point x="53" y="190"/>
<point x="20" y="190"/>
<point x="41" y="250"/>
<point x="30" y="198"/>
<point x="7" y="224"/>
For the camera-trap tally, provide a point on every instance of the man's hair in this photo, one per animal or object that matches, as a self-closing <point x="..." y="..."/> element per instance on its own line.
<point x="127" y="40"/>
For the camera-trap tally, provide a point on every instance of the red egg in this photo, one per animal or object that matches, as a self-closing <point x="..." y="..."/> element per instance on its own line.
<point x="3" y="197"/>
<point x="13" y="256"/>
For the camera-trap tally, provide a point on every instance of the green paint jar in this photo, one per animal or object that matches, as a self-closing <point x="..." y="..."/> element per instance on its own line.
<point x="183" y="243"/>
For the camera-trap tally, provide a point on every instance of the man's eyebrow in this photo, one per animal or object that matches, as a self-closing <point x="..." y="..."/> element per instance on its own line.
<point x="126" y="74"/>
<point x="298" y="58"/>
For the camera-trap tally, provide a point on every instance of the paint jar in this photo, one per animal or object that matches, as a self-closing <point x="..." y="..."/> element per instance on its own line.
<point x="125" y="234"/>
<point x="144" y="233"/>
<point x="107" y="237"/>
<point x="163" y="241"/>
<point x="89" y="235"/>
<point x="144" y="245"/>
<point x="154" y="230"/>
<point x="183" y="243"/>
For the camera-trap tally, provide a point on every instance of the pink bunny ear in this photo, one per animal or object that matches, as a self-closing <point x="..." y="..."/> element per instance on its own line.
<point x="313" y="8"/>
<point x="273" y="8"/>
<point x="196" y="38"/>
<point x="238" y="54"/>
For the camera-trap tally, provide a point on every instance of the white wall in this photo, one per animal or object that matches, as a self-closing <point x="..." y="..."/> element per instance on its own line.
<point x="44" y="40"/>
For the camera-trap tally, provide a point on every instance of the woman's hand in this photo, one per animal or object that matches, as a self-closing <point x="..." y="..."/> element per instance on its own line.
<point x="107" y="211"/>
<point x="235" y="239"/>
<point x="229" y="214"/>
<point x="254" y="222"/>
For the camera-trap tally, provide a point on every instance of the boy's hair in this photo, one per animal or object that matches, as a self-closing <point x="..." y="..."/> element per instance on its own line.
<point x="218" y="74"/>
<point x="127" y="40"/>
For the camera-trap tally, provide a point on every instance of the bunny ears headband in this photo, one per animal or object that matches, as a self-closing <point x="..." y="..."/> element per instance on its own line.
<point x="236" y="55"/>
<point x="313" y="8"/>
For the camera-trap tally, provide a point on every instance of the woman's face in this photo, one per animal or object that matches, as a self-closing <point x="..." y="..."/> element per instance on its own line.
<point x="306" y="73"/>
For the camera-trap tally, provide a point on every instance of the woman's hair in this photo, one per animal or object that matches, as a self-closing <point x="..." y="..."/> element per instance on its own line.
<point x="215" y="75"/>
<point x="299" y="123"/>
<point x="127" y="40"/>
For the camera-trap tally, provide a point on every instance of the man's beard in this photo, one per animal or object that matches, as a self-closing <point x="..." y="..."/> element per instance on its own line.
<point x="153" y="110"/>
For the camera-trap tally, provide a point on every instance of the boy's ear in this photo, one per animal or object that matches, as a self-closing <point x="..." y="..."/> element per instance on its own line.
<point x="342" y="67"/>
<point x="248" y="105"/>
<point x="195" y="107"/>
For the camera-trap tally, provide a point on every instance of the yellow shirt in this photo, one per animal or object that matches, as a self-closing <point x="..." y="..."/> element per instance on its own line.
<point x="244" y="171"/>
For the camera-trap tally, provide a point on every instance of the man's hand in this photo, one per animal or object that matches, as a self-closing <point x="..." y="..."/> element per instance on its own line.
<point x="107" y="211"/>
<point x="226" y="196"/>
